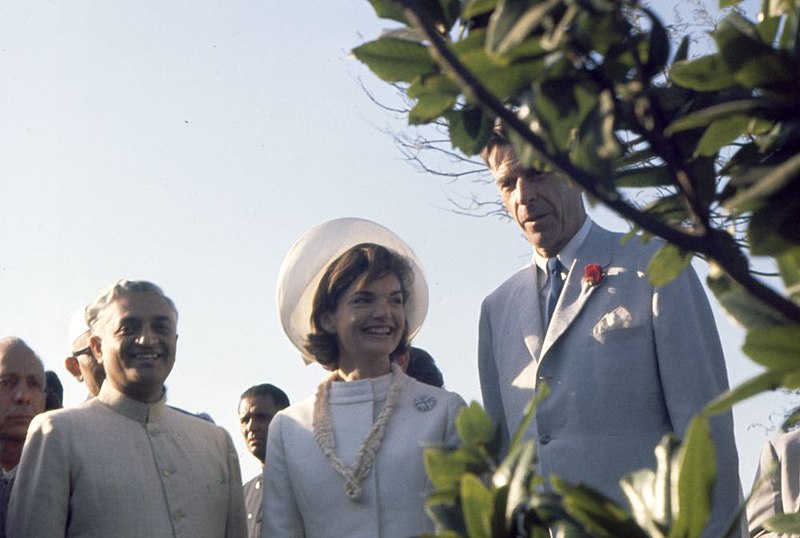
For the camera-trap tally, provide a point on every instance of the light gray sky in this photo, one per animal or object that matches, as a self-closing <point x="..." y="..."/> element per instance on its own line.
<point x="191" y="143"/>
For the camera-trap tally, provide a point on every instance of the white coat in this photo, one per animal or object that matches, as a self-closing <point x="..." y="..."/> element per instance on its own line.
<point x="304" y="495"/>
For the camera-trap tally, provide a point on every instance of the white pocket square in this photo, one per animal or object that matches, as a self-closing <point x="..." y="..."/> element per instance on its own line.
<point x="619" y="318"/>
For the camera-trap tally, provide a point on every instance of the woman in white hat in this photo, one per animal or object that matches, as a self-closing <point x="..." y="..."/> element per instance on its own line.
<point x="349" y="460"/>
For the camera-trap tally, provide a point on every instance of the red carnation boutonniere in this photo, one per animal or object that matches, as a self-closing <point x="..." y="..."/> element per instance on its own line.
<point x="592" y="274"/>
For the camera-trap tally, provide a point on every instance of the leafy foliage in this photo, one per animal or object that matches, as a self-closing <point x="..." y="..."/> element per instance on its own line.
<point x="480" y="495"/>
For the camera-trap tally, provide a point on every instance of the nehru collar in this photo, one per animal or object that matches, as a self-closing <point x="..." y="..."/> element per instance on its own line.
<point x="142" y="412"/>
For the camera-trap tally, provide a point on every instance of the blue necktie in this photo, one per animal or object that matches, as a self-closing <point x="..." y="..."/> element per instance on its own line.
<point x="554" y="268"/>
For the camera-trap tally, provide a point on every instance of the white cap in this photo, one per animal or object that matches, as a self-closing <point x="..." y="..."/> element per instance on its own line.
<point x="310" y="256"/>
<point x="77" y="327"/>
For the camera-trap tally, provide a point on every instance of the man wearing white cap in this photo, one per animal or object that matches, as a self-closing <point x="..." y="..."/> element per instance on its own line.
<point x="124" y="464"/>
<point x="81" y="363"/>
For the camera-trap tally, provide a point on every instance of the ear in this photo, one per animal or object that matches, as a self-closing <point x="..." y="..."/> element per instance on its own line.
<point x="72" y="366"/>
<point x="327" y="323"/>
<point x="95" y="343"/>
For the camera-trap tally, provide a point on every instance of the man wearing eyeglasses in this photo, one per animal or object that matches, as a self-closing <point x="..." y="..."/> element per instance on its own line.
<point x="81" y="363"/>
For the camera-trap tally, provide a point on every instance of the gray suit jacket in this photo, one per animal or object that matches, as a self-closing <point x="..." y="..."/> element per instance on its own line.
<point x="779" y="490"/>
<point x="625" y="364"/>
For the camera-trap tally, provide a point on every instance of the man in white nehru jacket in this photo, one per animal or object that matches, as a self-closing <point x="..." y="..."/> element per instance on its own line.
<point x="124" y="464"/>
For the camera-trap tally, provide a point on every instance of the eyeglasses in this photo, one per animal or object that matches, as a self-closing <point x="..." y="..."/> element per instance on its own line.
<point x="85" y="351"/>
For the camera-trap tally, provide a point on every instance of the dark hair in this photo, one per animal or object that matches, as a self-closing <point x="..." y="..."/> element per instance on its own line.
<point x="279" y="398"/>
<point x="498" y="138"/>
<point x="54" y="391"/>
<point x="422" y="367"/>
<point x="363" y="263"/>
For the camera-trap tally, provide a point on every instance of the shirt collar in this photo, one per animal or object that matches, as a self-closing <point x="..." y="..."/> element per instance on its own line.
<point x="8" y="475"/>
<point x="143" y="412"/>
<point x="570" y="250"/>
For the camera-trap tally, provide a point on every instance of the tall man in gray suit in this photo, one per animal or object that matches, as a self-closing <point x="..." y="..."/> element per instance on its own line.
<point x="625" y="362"/>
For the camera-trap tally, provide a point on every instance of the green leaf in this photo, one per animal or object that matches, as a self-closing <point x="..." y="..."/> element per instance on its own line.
<point x="774" y="227"/>
<point x="658" y="51"/>
<point x="597" y="515"/>
<point x="447" y="516"/>
<point x="696" y="464"/>
<point x="767" y="381"/>
<point x="388" y="9"/>
<point x="754" y="63"/>
<point x="707" y="115"/>
<point x="562" y="105"/>
<point x="517" y="25"/>
<point x="395" y="60"/>
<point x="774" y="347"/>
<point x="739" y="305"/>
<point x="517" y="469"/>
<point x="443" y="470"/>
<point x="503" y="77"/>
<point x="643" y="176"/>
<point x="789" y="266"/>
<point x="469" y="129"/>
<point x="705" y="74"/>
<point x="504" y="18"/>
<point x="778" y="178"/>
<point x="475" y="8"/>
<point x="683" y="50"/>
<point x="668" y="262"/>
<point x="433" y="83"/>
<point x="542" y="390"/>
<point x="477" y="502"/>
<point x="429" y="107"/>
<point x="474" y="426"/>
<point x="784" y="524"/>
<point x="768" y="29"/>
<point x="721" y="133"/>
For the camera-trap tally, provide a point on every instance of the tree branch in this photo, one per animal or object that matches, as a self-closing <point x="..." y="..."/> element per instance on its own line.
<point x="707" y="244"/>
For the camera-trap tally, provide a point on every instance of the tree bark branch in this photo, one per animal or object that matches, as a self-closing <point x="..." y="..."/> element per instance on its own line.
<point x="707" y="245"/>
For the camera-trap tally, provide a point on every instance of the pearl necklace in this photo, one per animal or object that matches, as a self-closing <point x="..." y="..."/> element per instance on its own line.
<point x="365" y="458"/>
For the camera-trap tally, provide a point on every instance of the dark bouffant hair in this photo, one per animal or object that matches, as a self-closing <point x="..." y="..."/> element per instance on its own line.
<point x="362" y="263"/>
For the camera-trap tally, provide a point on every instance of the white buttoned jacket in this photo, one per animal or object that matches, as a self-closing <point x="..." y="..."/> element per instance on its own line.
<point x="304" y="495"/>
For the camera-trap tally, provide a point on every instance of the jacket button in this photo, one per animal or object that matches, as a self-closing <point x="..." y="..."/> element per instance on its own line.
<point x="544" y="439"/>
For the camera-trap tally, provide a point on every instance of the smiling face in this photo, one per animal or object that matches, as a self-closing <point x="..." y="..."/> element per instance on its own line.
<point x="21" y="390"/>
<point x="548" y="209"/>
<point x="135" y="341"/>
<point x="368" y="322"/>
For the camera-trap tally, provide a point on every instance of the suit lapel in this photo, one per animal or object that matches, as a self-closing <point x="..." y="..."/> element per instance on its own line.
<point x="525" y="310"/>
<point x="595" y="249"/>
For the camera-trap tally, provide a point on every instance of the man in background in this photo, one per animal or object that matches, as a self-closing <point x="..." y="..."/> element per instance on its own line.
<point x="80" y="362"/>
<point x="419" y="364"/>
<point x="257" y="406"/>
<point x="22" y="396"/>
